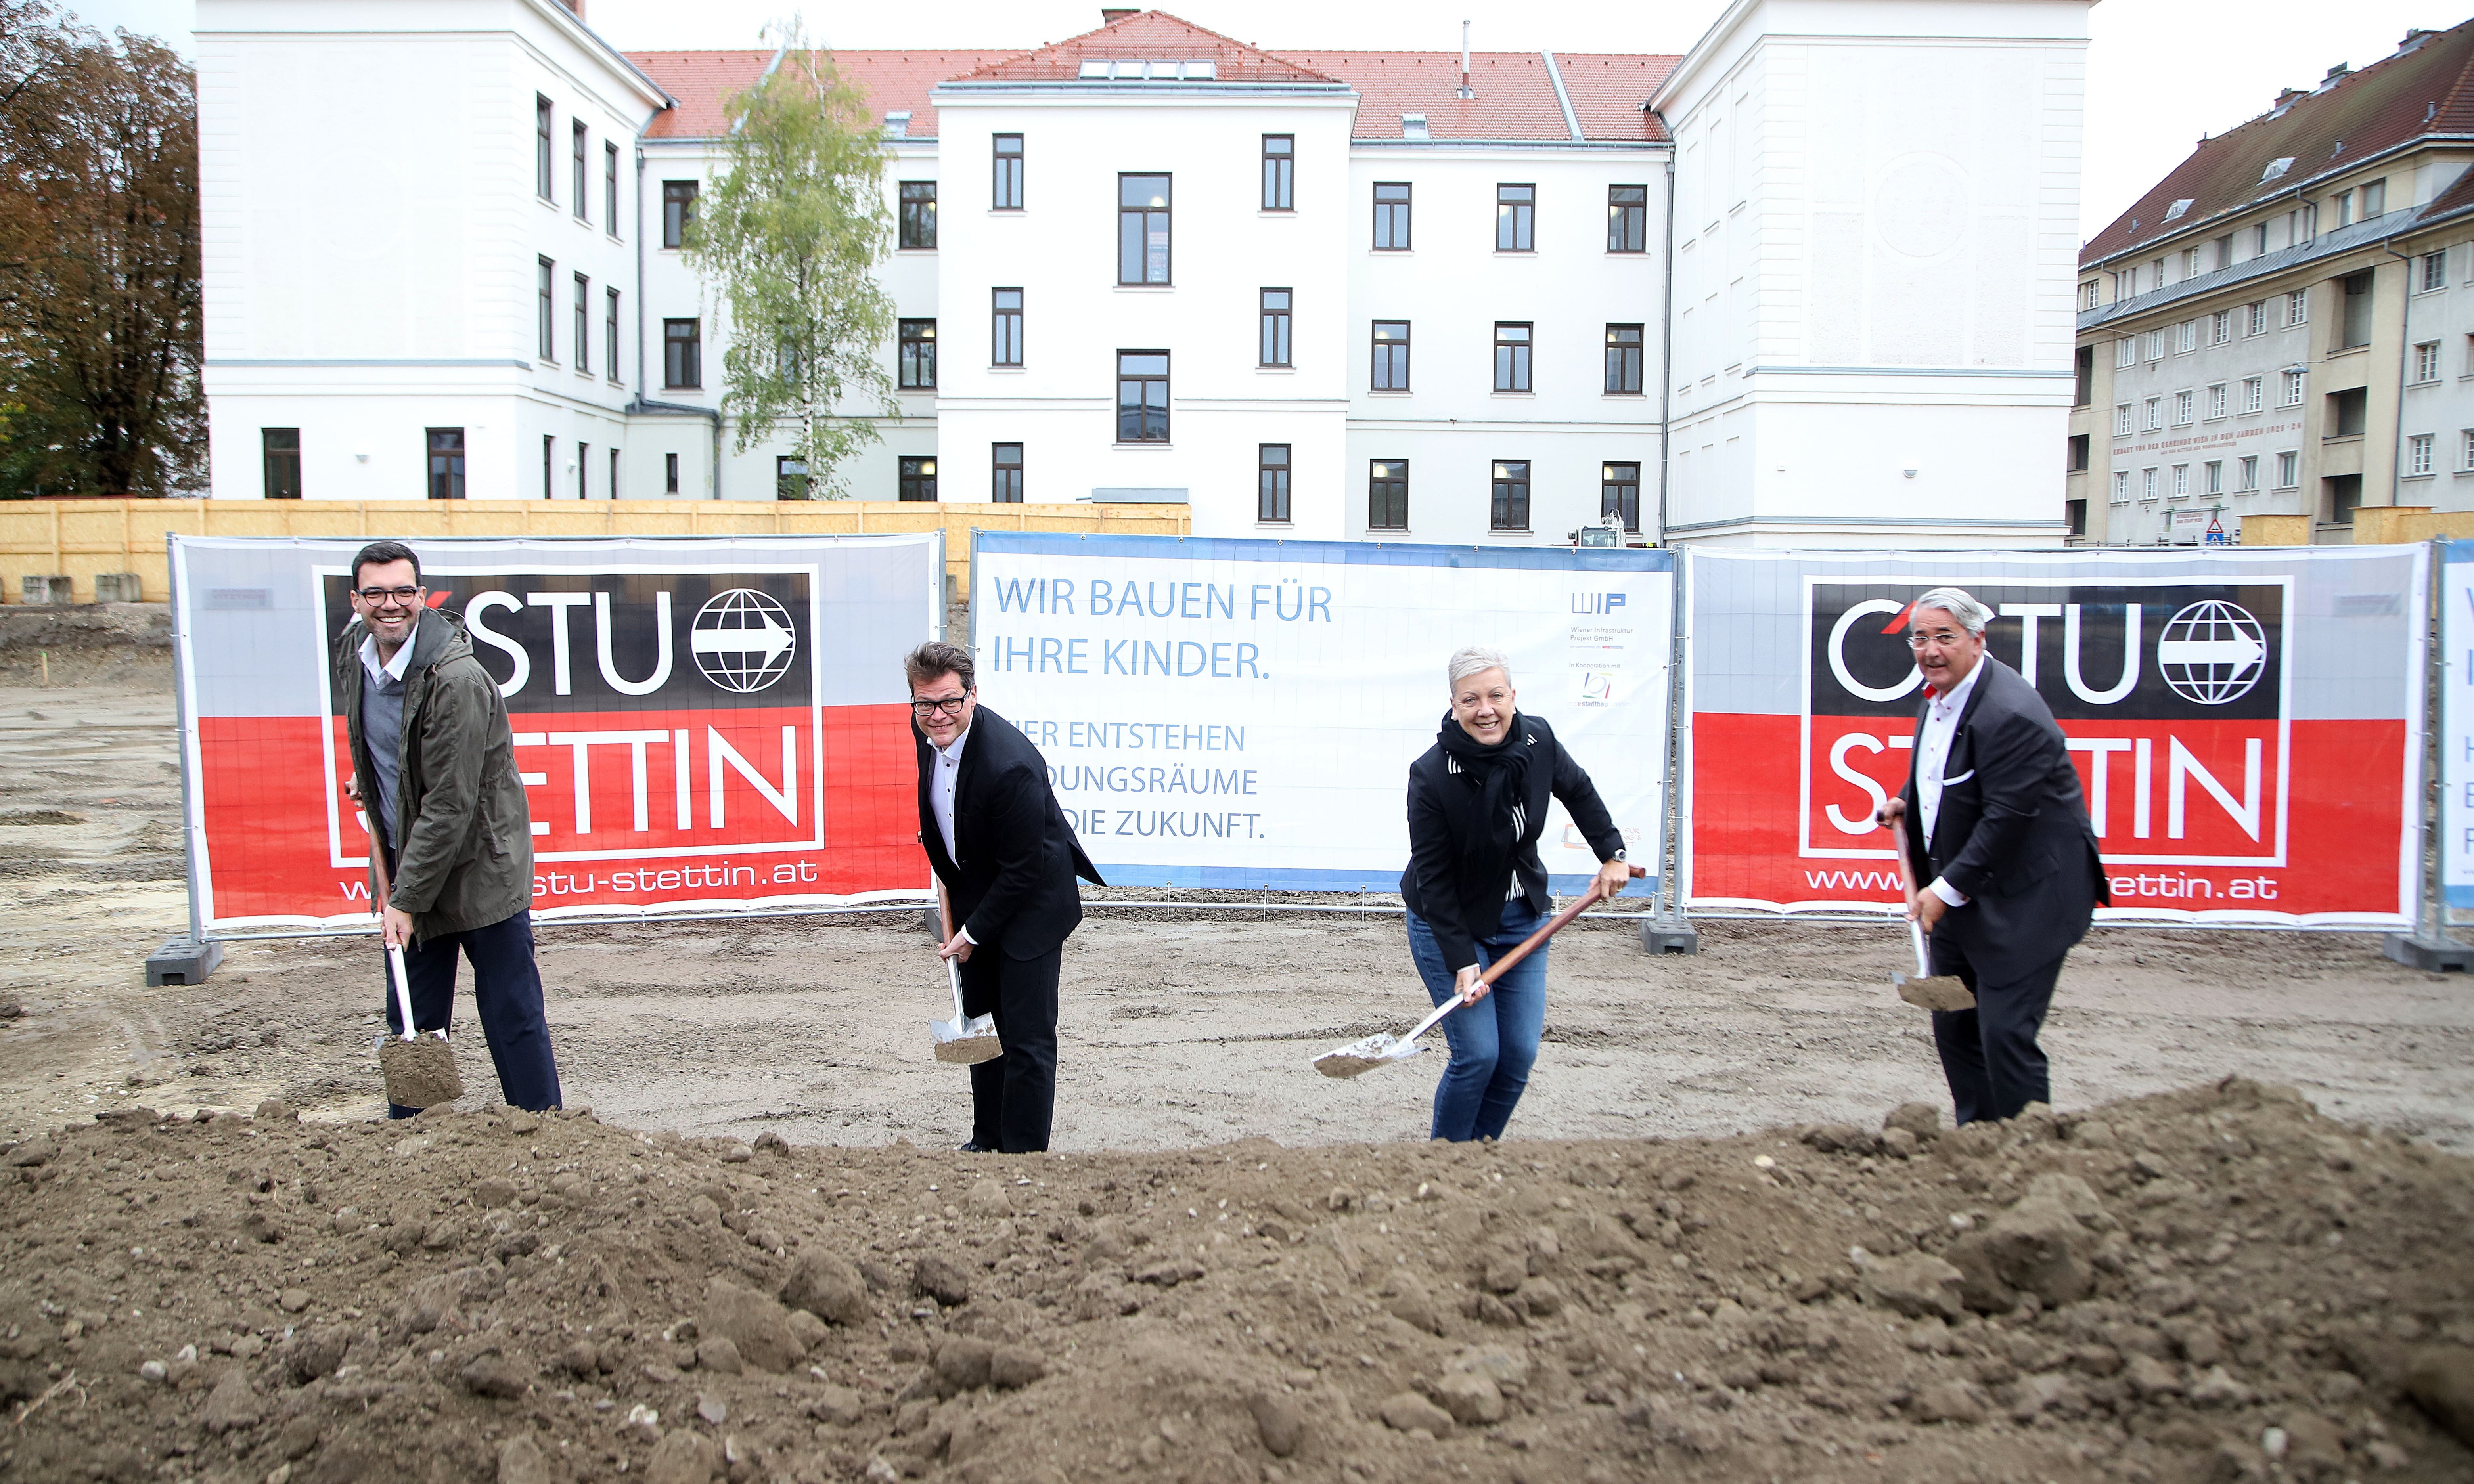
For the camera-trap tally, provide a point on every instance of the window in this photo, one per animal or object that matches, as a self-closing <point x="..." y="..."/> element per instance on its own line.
<point x="1619" y="493"/>
<point x="2181" y="481"/>
<point x="789" y="478"/>
<point x="545" y="271"/>
<point x="2349" y="413"/>
<point x="2375" y="199"/>
<point x="583" y="465"/>
<point x="2418" y="455"/>
<point x="918" y="479"/>
<point x="583" y="325"/>
<point x="2122" y="419"/>
<point x="2435" y="270"/>
<point x="1142" y="397"/>
<point x="2344" y="208"/>
<point x="2151" y="415"/>
<point x="2125" y="351"/>
<point x="1391" y="355"/>
<point x="614" y="473"/>
<point x="2255" y="317"/>
<point x="2147" y="484"/>
<point x="279" y="449"/>
<point x="1392" y="216"/>
<point x="2246" y="474"/>
<point x="669" y="473"/>
<point x="1274" y="311"/>
<point x="610" y="187"/>
<point x="609" y="334"/>
<point x="1271" y="483"/>
<point x="2354" y="321"/>
<point x="583" y="198"/>
<point x="1512" y="357"/>
<point x="2297" y="308"/>
<point x="1387" y="495"/>
<point x="2082" y="375"/>
<point x="2293" y="385"/>
<point x="2121" y="487"/>
<point x="2182" y="402"/>
<point x="682" y="353"/>
<point x="2186" y="337"/>
<point x="2087" y="294"/>
<point x="1624" y="353"/>
<point x="1005" y="327"/>
<point x="2289" y="470"/>
<point x="918" y="341"/>
<point x="541" y="182"/>
<point x="1279" y="185"/>
<point x="1004" y="482"/>
<point x="1628" y="220"/>
<point x="550" y="460"/>
<point x="2465" y="449"/>
<point x="2155" y="344"/>
<point x="1509" y="509"/>
<point x="678" y="210"/>
<point x="2189" y="264"/>
<point x="1515" y="218"/>
<point x="917" y="221"/>
<point x="446" y="463"/>
<point x="1004" y="177"/>
<point x="2426" y="360"/>
<point x="2213" y="476"/>
<point x="1142" y="229"/>
<point x="2217" y="400"/>
<point x="2254" y="392"/>
<point x="2220" y="328"/>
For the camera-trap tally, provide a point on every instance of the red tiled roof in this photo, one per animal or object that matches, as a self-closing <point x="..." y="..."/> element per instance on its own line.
<point x="2428" y="90"/>
<point x="1609" y="92"/>
<point x="1515" y="99"/>
<point x="1150" y="35"/>
<point x="702" y="82"/>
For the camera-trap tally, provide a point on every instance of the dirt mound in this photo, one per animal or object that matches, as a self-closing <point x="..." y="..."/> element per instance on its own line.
<point x="2217" y="1283"/>
<point x="90" y="643"/>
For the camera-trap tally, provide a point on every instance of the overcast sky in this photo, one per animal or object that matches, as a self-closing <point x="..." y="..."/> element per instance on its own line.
<point x="2161" y="73"/>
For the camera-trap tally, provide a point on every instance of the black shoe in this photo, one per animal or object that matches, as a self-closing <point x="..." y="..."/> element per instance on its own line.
<point x="972" y="1147"/>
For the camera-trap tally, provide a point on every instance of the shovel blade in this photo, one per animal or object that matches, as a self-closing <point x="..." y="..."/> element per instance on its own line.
<point x="1364" y="1055"/>
<point x="966" y="1041"/>
<point x="1940" y="991"/>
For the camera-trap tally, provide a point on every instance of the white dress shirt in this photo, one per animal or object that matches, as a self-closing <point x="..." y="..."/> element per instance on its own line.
<point x="940" y="797"/>
<point x="1932" y="749"/>
<point x="392" y="669"/>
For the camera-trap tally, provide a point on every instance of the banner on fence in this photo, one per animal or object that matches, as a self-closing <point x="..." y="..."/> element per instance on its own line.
<point x="2247" y="725"/>
<point x="2457" y="722"/>
<point x="1243" y="714"/>
<point x="701" y="724"/>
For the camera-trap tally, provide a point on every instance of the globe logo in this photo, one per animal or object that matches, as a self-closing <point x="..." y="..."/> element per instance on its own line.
<point x="742" y="640"/>
<point x="2212" y="652"/>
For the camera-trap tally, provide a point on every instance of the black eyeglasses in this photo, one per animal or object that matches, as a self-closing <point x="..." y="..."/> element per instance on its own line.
<point x="950" y="705"/>
<point x="375" y="596"/>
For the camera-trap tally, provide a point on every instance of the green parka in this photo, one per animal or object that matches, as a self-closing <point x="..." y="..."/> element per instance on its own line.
<point x="463" y="829"/>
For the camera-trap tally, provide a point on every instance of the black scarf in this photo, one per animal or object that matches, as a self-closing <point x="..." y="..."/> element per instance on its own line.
<point x="1488" y="817"/>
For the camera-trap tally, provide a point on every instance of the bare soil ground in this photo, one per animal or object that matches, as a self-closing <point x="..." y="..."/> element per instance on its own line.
<point x="2304" y="1256"/>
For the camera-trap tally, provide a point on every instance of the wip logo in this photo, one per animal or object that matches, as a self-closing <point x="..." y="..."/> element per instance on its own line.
<point x="1598" y="602"/>
<point x="743" y="640"/>
<point x="2171" y="695"/>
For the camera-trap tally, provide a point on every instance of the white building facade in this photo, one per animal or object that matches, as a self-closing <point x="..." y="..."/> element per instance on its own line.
<point x="1349" y="295"/>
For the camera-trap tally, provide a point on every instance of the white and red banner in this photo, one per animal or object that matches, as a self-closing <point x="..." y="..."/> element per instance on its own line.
<point x="700" y="724"/>
<point x="2247" y="725"/>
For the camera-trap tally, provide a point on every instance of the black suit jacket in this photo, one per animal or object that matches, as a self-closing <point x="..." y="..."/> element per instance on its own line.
<point x="2012" y="833"/>
<point x="1010" y="879"/>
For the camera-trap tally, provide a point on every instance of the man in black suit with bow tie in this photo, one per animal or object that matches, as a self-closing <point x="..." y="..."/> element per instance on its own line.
<point x="1994" y="822"/>
<point x="1006" y="862"/>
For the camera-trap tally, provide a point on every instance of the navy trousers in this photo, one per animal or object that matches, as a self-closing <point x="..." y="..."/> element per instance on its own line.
<point x="1989" y="1054"/>
<point x="506" y="992"/>
<point x="1013" y="1096"/>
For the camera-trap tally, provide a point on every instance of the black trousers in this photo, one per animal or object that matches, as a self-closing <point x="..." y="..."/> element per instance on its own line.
<point x="1989" y="1054"/>
<point x="1013" y="1096"/>
<point x="507" y="993"/>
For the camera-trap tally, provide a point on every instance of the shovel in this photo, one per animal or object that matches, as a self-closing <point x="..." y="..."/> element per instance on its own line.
<point x="419" y="1071"/>
<point x="964" y="1040"/>
<point x="1368" y="1052"/>
<point x="1926" y="991"/>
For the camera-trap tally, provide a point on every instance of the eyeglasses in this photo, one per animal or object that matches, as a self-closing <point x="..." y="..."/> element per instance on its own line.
<point x="950" y="705"/>
<point x="1944" y="637"/>
<point x="377" y="597"/>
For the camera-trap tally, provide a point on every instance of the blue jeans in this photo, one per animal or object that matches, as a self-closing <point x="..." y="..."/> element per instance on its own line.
<point x="1494" y="1041"/>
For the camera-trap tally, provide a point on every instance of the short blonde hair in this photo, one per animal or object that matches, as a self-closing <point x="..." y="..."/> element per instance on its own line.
<point x="1472" y="660"/>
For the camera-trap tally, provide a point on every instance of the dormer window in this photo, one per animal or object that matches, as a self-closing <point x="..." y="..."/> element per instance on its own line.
<point x="1130" y="70"/>
<point x="1413" y="125"/>
<point x="2276" y="168"/>
<point x="897" y="124"/>
<point x="2174" y="212"/>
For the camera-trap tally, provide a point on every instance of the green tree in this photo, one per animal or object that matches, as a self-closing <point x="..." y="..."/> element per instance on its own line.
<point x="790" y="236"/>
<point x="100" y="300"/>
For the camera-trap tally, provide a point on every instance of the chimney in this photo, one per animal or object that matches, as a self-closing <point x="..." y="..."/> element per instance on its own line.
<point x="576" y="5"/>
<point x="2336" y="75"/>
<point x="1467" y="92"/>
<point x="1110" y="17"/>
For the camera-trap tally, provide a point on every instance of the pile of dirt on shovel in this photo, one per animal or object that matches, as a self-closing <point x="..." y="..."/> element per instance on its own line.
<point x="2212" y="1285"/>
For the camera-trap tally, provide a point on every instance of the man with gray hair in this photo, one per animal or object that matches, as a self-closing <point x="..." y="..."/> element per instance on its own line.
<point x="1993" y="820"/>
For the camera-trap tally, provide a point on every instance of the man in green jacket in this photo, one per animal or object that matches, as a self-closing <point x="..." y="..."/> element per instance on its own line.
<point x="434" y="764"/>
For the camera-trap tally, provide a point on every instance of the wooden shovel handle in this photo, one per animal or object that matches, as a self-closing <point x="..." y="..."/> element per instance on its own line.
<point x="377" y="862"/>
<point x="1588" y="898"/>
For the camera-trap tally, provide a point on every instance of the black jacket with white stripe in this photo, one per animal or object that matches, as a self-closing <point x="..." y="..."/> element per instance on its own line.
<point x="1439" y="885"/>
